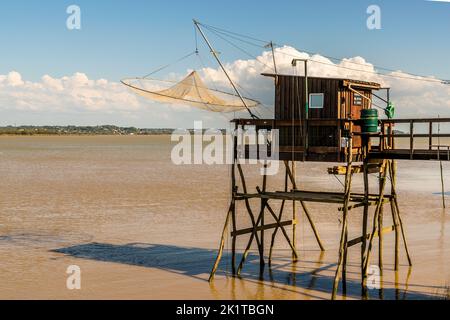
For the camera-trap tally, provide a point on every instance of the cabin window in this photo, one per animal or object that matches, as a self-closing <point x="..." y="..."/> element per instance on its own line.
<point x="357" y="100"/>
<point x="316" y="100"/>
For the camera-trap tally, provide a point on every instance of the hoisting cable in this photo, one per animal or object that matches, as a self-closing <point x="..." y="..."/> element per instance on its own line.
<point x="203" y="65"/>
<point x="233" y="33"/>
<point x="412" y="76"/>
<point x="170" y="64"/>
<point x="214" y="53"/>
<point x="242" y="50"/>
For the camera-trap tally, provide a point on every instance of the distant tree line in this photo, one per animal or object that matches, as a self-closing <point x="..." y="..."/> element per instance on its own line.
<point x="80" y="130"/>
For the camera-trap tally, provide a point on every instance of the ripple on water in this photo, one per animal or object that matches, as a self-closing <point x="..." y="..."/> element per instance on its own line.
<point x="36" y="240"/>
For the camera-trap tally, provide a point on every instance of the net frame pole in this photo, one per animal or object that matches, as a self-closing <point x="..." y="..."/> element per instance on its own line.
<point x="214" y="53"/>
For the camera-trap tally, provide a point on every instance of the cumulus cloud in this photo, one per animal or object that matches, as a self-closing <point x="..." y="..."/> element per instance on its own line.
<point x="69" y="93"/>
<point x="77" y="94"/>
<point x="413" y="96"/>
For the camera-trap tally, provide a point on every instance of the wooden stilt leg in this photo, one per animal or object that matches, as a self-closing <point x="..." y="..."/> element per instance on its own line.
<point x="294" y="185"/>
<point x="222" y="242"/>
<point x="249" y="244"/>
<point x="380" y="220"/>
<point x="274" y="234"/>
<point x="261" y="253"/>
<point x="397" y="289"/>
<point x="254" y="234"/>
<point x="233" y="240"/>
<point x="234" y="189"/>
<point x="280" y="215"/>
<point x="403" y="231"/>
<point x="280" y="226"/>
<point x="364" y="223"/>
<point x="397" y="236"/>
<point x="247" y="203"/>
<point x="263" y="208"/>
<point x="394" y="217"/>
<point x="344" y="264"/>
<point x="343" y="243"/>
<point x="342" y="248"/>
<point x="375" y="219"/>
<point x="316" y="234"/>
<point x="397" y="209"/>
<point x="231" y="213"/>
<point x="294" y="213"/>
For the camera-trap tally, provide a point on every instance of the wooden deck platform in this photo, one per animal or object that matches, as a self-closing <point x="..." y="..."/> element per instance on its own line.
<point x="312" y="196"/>
<point x="408" y="154"/>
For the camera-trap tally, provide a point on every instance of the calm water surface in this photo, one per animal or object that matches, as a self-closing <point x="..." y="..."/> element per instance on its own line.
<point x="141" y="227"/>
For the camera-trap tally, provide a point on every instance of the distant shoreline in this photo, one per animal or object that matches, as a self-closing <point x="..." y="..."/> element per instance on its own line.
<point x="105" y="130"/>
<point x="82" y="135"/>
<point x="80" y="130"/>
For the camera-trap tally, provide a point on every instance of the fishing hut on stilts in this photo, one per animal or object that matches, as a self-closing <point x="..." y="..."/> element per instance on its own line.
<point x="327" y="120"/>
<point x="315" y="119"/>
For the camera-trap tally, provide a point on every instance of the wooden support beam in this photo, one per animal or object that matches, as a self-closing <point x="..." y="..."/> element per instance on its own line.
<point x="249" y="244"/>
<point x="290" y="175"/>
<point x="283" y="231"/>
<point x="260" y="228"/>
<point x="313" y="227"/>
<point x="341" y="170"/>
<point x="310" y="196"/>
<point x="355" y="241"/>
<point x="364" y="203"/>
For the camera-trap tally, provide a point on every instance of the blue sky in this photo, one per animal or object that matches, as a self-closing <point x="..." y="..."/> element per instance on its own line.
<point x="130" y="38"/>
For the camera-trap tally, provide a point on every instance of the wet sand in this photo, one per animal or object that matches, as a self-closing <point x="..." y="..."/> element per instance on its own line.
<point x="140" y="227"/>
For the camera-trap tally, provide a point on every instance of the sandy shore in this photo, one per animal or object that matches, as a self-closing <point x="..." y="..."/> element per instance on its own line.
<point x="140" y="227"/>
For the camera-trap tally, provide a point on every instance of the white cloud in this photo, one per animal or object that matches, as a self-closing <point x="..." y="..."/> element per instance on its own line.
<point x="412" y="95"/>
<point x="14" y="79"/>
<point x="66" y="94"/>
<point x="77" y="95"/>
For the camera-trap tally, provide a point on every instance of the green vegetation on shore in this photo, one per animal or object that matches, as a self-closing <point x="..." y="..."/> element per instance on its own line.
<point x="80" y="130"/>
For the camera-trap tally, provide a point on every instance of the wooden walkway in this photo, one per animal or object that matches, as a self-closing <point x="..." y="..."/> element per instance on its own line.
<point x="311" y="196"/>
<point x="408" y="154"/>
<point x="388" y="149"/>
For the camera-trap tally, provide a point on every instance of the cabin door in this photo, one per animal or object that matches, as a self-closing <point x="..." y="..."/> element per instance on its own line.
<point x="357" y="104"/>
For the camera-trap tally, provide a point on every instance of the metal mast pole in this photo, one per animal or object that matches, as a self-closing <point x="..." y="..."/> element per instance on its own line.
<point x="270" y="45"/>
<point x="214" y="53"/>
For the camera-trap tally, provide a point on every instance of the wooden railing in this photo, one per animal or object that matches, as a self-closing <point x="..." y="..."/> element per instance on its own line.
<point x="388" y="136"/>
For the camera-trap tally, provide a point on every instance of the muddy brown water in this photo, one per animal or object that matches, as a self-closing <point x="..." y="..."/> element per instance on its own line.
<point x="140" y="227"/>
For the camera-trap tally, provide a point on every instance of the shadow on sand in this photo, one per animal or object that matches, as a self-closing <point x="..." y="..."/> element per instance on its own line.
<point x="197" y="262"/>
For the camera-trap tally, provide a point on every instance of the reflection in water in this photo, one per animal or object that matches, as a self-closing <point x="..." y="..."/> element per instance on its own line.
<point x="407" y="282"/>
<point x="312" y="283"/>
<point x="196" y="263"/>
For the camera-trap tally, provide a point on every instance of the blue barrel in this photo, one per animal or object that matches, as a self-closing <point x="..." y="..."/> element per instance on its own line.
<point x="369" y="119"/>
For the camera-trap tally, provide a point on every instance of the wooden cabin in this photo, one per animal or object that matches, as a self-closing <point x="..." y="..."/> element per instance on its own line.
<point x="319" y="134"/>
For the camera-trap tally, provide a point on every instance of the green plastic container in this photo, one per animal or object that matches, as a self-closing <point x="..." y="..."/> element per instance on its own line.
<point x="370" y="120"/>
